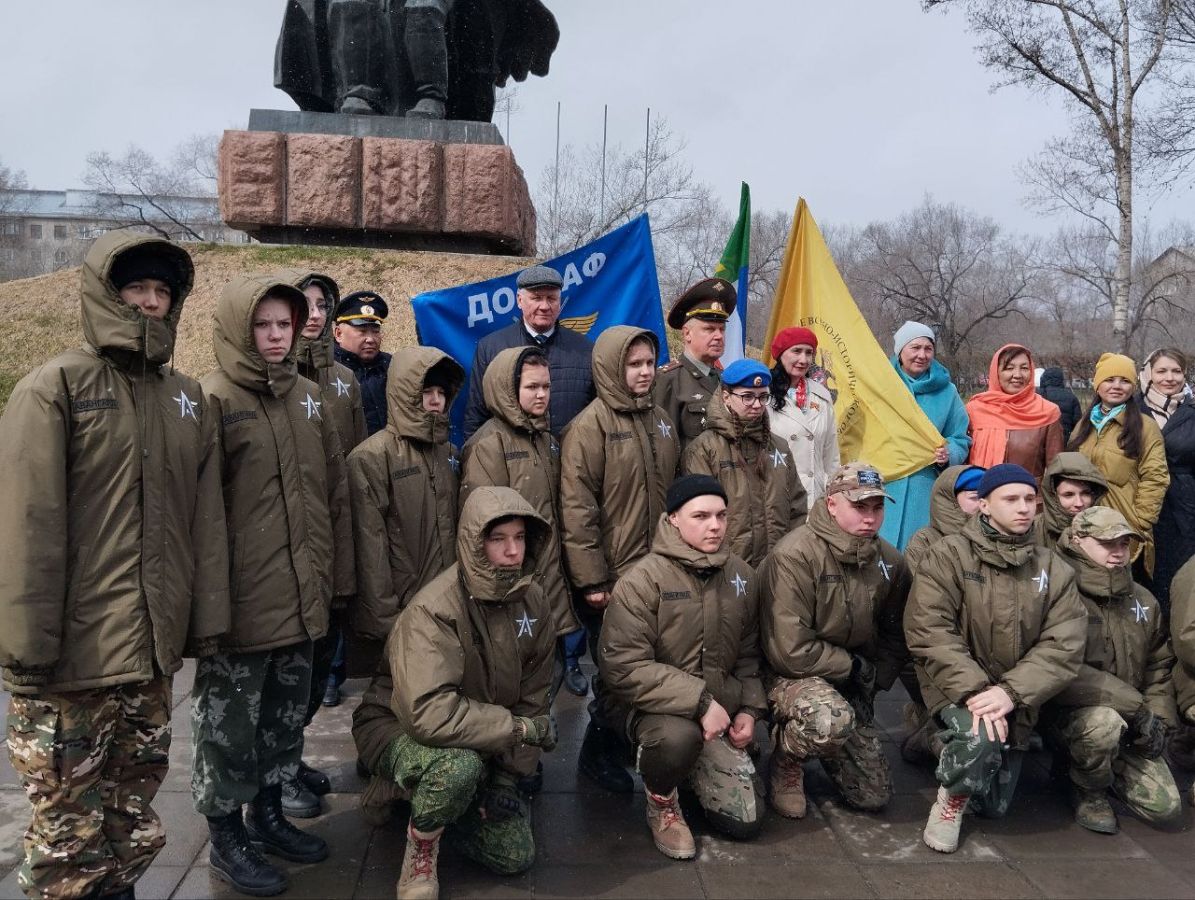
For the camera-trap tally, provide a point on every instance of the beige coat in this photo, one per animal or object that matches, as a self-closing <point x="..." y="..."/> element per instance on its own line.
<point x="812" y="437"/>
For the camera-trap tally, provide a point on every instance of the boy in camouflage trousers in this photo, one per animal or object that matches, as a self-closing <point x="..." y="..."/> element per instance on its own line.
<point x="1114" y="720"/>
<point x="996" y="628"/>
<point x="832" y="595"/>
<point x="115" y="566"/>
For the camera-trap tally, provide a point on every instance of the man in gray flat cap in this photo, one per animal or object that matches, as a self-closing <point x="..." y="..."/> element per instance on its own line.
<point x="567" y="351"/>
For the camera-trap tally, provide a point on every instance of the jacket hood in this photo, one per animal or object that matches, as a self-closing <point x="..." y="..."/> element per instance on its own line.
<point x="610" y="366"/>
<point x="944" y="512"/>
<point x="404" y="394"/>
<point x="482" y="579"/>
<point x="315" y="353"/>
<point x="1076" y="467"/>
<point x="846" y="548"/>
<point x="669" y="543"/>
<point x="719" y="418"/>
<point x="1052" y="377"/>
<point x="1097" y="582"/>
<point x="232" y="336"/>
<point x="500" y="389"/>
<point x="115" y="327"/>
<point x="1004" y="551"/>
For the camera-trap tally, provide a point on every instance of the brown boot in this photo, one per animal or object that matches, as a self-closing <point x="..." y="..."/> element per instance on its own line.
<point x="1181" y="749"/>
<point x="668" y="827"/>
<point x="787" y="781"/>
<point x="418" y="880"/>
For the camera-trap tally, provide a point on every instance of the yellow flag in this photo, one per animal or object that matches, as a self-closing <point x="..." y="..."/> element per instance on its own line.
<point x="879" y="422"/>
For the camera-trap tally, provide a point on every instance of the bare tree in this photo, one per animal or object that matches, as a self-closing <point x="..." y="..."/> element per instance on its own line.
<point x="171" y="199"/>
<point x="1103" y="57"/>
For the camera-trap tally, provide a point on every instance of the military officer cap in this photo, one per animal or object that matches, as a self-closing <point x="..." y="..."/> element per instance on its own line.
<point x="711" y="300"/>
<point x="858" y="481"/>
<point x="539" y="277"/>
<point x="746" y="373"/>
<point x="1103" y="524"/>
<point x="362" y="308"/>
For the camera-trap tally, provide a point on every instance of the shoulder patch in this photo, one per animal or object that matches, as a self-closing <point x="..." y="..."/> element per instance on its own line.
<point x="669" y="366"/>
<point x="233" y="417"/>
<point x="82" y="406"/>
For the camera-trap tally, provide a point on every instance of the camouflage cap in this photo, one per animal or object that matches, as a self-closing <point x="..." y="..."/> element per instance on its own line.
<point x="1103" y="524"/>
<point x="858" y="481"/>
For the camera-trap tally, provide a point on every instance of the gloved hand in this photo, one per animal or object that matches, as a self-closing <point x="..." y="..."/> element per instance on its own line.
<point x="537" y="732"/>
<point x="500" y="799"/>
<point x="1148" y="733"/>
<point x="862" y="689"/>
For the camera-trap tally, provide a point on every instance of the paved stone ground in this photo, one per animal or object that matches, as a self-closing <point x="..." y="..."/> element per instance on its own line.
<point x="594" y="845"/>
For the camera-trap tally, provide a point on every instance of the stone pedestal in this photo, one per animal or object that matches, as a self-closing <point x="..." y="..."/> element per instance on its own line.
<point x="373" y="181"/>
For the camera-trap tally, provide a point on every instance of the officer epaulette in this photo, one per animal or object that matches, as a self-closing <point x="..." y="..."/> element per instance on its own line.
<point x="669" y="366"/>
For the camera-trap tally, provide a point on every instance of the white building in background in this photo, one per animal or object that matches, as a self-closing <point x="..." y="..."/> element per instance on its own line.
<point x="41" y="231"/>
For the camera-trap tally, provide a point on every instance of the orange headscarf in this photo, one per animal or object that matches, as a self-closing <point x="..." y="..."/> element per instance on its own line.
<point x="994" y="413"/>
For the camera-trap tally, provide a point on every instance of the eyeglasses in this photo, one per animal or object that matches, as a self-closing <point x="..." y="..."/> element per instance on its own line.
<point x="751" y="399"/>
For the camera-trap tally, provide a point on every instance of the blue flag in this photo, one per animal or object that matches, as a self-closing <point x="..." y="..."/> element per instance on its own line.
<point x="610" y="281"/>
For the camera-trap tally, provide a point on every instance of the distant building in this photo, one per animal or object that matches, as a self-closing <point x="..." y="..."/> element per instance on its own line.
<point x="41" y="231"/>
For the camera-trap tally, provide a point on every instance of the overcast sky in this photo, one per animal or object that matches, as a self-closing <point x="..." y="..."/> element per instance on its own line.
<point x="861" y="106"/>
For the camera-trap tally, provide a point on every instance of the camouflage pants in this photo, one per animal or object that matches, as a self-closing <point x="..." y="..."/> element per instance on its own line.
<point x="91" y="762"/>
<point x="671" y="751"/>
<point x="247" y="714"/>
<point x="813" y="720"/>
<point x="977" y="766"/>
<point x="443" y="784"/>
<point x="1091" y="737"/>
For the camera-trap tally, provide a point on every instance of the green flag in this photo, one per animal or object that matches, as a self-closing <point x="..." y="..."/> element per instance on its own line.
<point x="734" y="267"/>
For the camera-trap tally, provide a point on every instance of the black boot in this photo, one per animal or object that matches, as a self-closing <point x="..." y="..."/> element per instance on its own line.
<point x="315" y="780"/>
<point x="234" y="859"/>
<point x="298" y="802"/>
<point x="268" y="827"/>
<point x="600" y="761"/>
<point x="124" y="894"/>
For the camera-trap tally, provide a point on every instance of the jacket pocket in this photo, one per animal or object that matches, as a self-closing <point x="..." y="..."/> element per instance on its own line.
<point x="82" y="562"/>
<point x="1118" y="468"/>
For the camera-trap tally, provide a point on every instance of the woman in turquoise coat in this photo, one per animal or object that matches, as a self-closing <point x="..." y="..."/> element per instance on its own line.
<point x="935" y="393"/>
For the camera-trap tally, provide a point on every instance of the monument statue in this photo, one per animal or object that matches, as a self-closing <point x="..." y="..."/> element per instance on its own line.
<point x="431" y="59"/>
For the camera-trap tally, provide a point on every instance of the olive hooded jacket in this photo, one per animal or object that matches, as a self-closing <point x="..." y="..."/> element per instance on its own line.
<point x="514" y="449"/>
<point x="990" y="609"/>
<point x="1182" y="637"/>
<point x="114" y="546"/>
<point x="945" y="516"/>
<point x="1053" y="519"/>
<point x="825" y="594"/>
<point x="472" y="650"/>
<point x="682" y="622"/>
<point x="765" y="496"/>
<point x="403" y="484"/>
<point x="618" y="458"/>
<point x="1128" y="660"/>
<point x="285" y="492"/>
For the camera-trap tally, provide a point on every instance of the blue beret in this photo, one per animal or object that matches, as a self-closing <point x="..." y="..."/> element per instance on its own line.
<point x="968" y="479"/>
<point x="746" y="373"/>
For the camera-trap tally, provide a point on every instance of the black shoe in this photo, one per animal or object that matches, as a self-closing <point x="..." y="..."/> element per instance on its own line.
<point x="298" y="802"/>
<point x="530" y="785"/>
<point x="600" y="762"/>
<point x="268" y="827"/>
<point x="363" y="770"/>
<point x="235" y="860"/>
<point x="331" y="694"/>
<point x="124" y="894"/>
<point x="314" y="780"/>
<point x="575" y="681"/>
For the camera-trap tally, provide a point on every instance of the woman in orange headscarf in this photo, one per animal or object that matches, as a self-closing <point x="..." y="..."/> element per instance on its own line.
<point x="1010" y="422"/>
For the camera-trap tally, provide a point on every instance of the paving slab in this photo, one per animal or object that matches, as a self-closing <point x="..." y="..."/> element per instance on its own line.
<point x="927" y="880"/>
<point x="1107" y="878"/>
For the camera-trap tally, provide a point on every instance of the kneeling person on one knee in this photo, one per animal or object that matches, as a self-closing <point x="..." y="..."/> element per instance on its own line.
<point x="996" y="628"/>
<point x="832" y="596"/>
<point x="680" y="646"/>
<point x="1113" y="721"/>
<point x="472" y="662"/>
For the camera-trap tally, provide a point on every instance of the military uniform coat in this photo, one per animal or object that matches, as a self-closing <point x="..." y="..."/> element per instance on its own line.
<point x="617" y="460"/>
<point x="945" y="516"/>
<point x="682" y="622"/>
<point x="825" y="595"/>
<point x="512" y="449"/>
<point x="474" y="649"/>
<point x="1182" y="637"/>
<point x="403" y="486"/>
<point x="994" y="609"/>
<point x="285" y="492"/>
<point x="684" y="393"/>
<point x="765" y="496"/>
<point x="115" y="554"/>
<point x="1053" y="519"/>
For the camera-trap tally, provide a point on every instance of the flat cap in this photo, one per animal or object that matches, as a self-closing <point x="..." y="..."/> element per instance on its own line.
<point x="539" y="276"/>
<point x="711" y="299"/>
